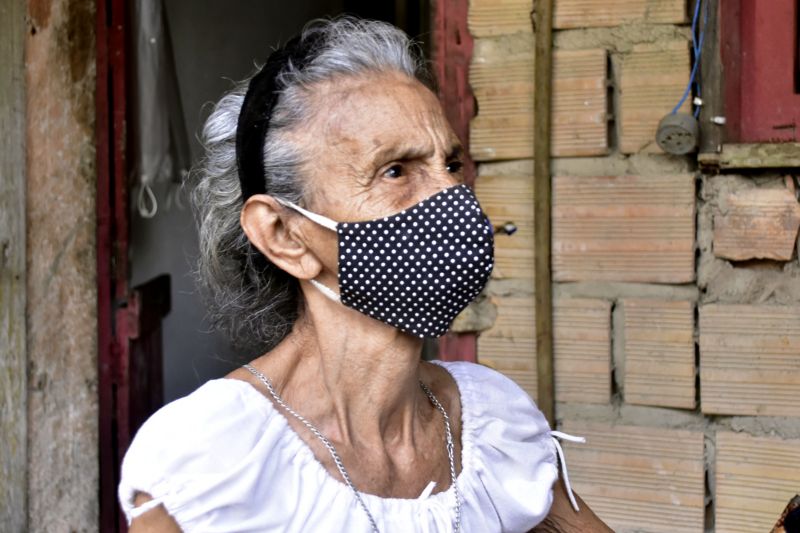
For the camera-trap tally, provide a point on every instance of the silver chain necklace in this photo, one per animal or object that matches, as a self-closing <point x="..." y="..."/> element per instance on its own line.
<point x="338" y="461"/>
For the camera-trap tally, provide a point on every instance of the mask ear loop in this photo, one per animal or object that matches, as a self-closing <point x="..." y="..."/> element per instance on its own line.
<point x="325" y="290"/>
<point x="325" y="222"/>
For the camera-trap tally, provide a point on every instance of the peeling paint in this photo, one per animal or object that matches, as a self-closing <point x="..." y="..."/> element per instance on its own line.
<point x="39" y="12"/>
<point x="61" y="285"/>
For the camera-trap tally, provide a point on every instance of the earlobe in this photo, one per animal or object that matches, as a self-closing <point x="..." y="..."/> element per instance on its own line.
<point x="273" y="230"/>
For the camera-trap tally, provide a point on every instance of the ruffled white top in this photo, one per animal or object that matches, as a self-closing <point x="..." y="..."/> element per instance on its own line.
<point x="224" y="459"/>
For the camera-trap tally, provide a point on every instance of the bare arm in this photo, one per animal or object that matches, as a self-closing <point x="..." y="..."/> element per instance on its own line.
<point x="156" y="520"/>
<point x="564" y="519"/>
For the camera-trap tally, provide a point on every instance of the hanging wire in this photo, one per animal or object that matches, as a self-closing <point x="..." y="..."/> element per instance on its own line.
<point x="697" y="49"/>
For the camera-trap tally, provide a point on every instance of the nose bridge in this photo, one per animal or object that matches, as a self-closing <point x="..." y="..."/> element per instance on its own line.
<point x="445" y="180"/>
<point x="439" y="178"/>
<point x="436" y="184"/>
<point x="434" y="176"/>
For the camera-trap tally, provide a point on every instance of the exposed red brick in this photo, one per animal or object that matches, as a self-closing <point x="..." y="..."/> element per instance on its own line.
<point x="757" y="224"/>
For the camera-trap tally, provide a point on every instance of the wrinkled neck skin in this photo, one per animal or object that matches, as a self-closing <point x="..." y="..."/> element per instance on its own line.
<point x="356" y="378"/>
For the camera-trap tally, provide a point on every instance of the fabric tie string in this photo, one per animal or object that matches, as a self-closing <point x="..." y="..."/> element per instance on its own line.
<point x="571" y="438"/>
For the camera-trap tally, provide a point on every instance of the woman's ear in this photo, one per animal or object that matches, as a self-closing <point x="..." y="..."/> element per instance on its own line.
<point x="282" y="236"/>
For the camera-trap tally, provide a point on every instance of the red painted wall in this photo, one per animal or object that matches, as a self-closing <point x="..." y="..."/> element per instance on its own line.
<point x="760" y="47"/>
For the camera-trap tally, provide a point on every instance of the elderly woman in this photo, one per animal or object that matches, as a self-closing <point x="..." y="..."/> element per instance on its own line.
<point x="336" y="233"/>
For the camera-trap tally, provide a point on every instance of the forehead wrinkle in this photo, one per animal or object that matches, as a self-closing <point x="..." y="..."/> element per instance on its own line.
<point x="357" y="120"/>
<point x="426" y="134"/>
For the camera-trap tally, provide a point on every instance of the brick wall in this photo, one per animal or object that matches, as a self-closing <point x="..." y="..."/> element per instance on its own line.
<point x="676" y="294"/>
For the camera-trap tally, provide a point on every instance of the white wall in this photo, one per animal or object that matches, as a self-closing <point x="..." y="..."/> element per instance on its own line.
<point x="214" y="42"/>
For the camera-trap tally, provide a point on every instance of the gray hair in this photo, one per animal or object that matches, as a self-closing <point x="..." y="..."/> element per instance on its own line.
<point x="251" y="300"/>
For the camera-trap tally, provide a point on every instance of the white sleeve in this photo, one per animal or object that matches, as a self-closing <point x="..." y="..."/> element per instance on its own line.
<point x="188" y="450"/>
<point x="508" y="440"/>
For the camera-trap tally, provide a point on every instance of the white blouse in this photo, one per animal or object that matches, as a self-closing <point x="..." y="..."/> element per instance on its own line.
<point x="224" y="459"/>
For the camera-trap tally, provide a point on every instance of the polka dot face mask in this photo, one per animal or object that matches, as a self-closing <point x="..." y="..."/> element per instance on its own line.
<point x="417" y="269"/>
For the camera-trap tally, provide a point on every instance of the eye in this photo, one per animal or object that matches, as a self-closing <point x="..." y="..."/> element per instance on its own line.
<point x="394" y="171"/>
<point x="454" y="167"/>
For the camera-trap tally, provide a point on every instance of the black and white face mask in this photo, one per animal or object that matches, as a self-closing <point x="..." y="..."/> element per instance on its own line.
<point x="417" y="269"/>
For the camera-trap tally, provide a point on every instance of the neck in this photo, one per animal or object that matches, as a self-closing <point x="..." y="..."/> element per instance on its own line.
<point x="356" y="377"/>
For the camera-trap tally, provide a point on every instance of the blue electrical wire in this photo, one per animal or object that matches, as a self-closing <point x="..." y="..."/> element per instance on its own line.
<point x="697" y="48"/>
<point x="693" y="74"/>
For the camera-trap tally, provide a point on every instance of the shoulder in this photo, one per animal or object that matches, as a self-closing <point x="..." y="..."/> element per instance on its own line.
<point x="194" y="444"/>
<point x="207" y="419"/>
<point x="508" y="454"/>
<point x="497" y="415"/>
<point x="487" y="392"/>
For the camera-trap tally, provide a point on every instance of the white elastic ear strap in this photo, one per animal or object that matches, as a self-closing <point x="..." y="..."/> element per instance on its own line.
<point x="327" y="291"/>
<point x="325" y="222"/>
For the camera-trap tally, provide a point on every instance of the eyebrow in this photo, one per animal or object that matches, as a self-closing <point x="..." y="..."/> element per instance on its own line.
<point x="393" y="153"/>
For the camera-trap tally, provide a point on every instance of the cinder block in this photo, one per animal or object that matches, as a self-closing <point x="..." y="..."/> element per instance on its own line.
<point x="639" y="478"/>
<point x="509" y="198"/>
<point x="487" y="18"/>
<point x="503" y="87"/>
<point x="624" y="228"/>
<point x="749" y="363"/>
<point x="755" y="477"/>
<point x="757" y="224"/>
<point x="510" y="345"/>
<point x="652" y="80"/>
<point x="592" y="13"/>
<point x="490" y="17"/>
<point x="659" y="353"/>
<point x="582" y="350"/>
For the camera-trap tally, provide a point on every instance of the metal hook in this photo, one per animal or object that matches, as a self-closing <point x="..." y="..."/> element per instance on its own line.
<point x="509" y="228"/>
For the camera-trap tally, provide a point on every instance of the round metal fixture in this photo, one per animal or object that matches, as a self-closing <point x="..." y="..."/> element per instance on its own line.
<point x="677" y="133"/>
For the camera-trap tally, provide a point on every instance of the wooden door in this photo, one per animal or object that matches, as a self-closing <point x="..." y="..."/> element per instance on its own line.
<point x="130" y="371"/>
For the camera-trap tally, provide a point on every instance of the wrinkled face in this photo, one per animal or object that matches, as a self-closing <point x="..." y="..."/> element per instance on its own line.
<point x="379" y="144"/>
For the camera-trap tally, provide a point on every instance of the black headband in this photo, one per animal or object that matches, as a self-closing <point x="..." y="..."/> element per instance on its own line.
<point x="259" y="102"/>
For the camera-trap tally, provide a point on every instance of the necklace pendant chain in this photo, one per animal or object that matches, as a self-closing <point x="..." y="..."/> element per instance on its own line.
<point x="338" y="460"/>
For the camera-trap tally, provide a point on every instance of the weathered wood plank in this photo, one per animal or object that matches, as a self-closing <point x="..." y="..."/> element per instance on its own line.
<point x="510" y="345"/>
<point x="652" y="80"/>
<point x="712" y="84"/>
<point x="13" y="350"/>
<point x="757" y="224"/>
<point x="755" y="476"/>
<point x="582" y="349"/>
<point x="748" y="359"/>
<point x="61" y="280"/>
<point x="503" y="87"/>
<point x="639" y="478"/>
<point x="659" y="353"/>
<point x="509" y="198"/>
<point x="542" y="186"/>
<point x="624" y="228"/>
<point x="761" y="155"/>
<point x="493" y="17"/>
